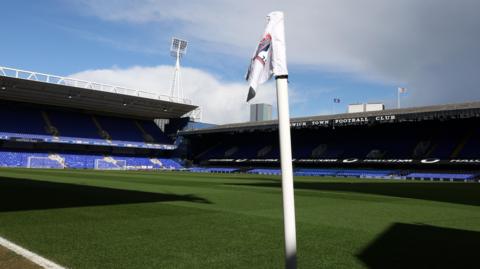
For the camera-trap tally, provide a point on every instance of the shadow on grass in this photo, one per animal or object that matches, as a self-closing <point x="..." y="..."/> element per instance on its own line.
<point x="459" y="193"/>
<point x="23" y="194"/>
<point x="422" y="246"/>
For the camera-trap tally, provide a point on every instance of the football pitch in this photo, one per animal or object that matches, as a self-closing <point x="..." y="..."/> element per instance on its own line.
<point x="120" y="219"/>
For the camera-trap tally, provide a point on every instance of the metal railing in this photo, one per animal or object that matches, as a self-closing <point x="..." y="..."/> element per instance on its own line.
<point x="73" y="82"/>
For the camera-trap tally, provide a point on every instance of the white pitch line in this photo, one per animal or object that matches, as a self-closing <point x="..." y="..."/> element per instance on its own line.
<point x="37" y="259"/>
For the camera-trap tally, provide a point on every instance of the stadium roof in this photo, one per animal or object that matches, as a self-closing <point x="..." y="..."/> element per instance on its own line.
<point x="441" y="112"/>
<point x="38" y="88"/>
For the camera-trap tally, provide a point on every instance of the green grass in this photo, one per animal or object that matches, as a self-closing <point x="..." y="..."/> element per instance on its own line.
<point x="91" y="219"/>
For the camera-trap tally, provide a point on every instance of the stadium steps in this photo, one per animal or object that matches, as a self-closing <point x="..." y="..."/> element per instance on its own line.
<point x="422" y="148"/>
<point x="462" y="144"/>
<point x="431" y="150"/>
<point x="103" y="134"/>
<point x="376" y="154"/>
<point x="49" y="128"/>
<point x="264" y="151"/>
<point x="56" y="157"/>
<point x="319" y="150"/>
<point x="203" y="153"/>
<point x="146" y="136"/>
<point x="156" y="162"/>
<point x="231" y="151"/>
<point x="111" y="160"/>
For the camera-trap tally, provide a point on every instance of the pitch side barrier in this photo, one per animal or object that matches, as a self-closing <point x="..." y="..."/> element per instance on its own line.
<point x="429" y="163"/>
<point x="352" y="173"/>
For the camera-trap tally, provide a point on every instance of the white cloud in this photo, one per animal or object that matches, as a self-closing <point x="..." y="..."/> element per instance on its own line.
<point x="221" y="102"/>
<point x="430" y="46"/>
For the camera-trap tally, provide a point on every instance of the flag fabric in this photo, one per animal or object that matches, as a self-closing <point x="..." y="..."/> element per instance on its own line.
<point x="270" y="57"/>
<point x="336" y="100"/>
<point x="402" y="90"/>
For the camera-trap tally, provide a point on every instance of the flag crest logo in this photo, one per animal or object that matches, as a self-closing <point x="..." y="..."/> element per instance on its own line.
<point x="260" y="65"/>
<point x="263" y="49"/>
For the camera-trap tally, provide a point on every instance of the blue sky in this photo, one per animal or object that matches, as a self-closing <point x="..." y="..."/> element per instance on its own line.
<point x="355" y="53"/>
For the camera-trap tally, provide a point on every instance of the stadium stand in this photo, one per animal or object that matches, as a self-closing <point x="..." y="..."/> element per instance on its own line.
<point x="371" y="144"/>
<point x="83" y="127"/>
<point x="96" y="126"/>
<point x="397" y="141"/>
<point x="120" y="128"/>
<point x="77" y="160"/>
<point x="21" y="120"/>
<point x="48" y="121"/>
<point x="153" y="131"/>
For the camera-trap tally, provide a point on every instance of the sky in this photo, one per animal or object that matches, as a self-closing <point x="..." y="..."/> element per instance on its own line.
<point x="358" y="51"/>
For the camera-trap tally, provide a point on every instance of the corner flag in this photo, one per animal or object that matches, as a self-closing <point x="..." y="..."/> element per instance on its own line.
<point x="269" y="58"/>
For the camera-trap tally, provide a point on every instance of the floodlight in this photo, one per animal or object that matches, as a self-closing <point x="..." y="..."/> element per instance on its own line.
<point x="178" y="47"/>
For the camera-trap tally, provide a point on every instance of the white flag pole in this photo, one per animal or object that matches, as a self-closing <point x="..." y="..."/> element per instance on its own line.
<point x="287" y="173"/>
<point x="271" y="52"/>
<point x="279" y="62"/>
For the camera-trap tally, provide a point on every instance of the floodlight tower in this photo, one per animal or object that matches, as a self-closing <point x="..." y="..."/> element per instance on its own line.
<point x="178" y="49"/>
